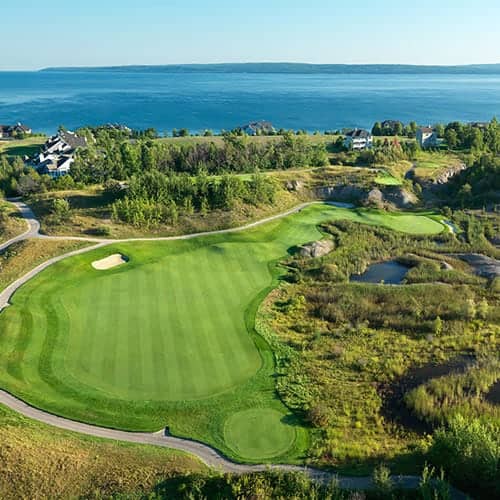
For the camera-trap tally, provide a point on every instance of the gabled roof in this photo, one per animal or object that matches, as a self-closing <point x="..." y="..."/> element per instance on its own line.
<point x="72" y="140"/>
<point x="359" y="134"/>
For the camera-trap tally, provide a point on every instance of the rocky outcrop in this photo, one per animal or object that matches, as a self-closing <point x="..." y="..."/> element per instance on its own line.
<point x="449" y="173"/>
<point x="341" y="192"/>
<point x="294" y="185"/>
<point x="316" y="249"/>
<point x="484" y="266"/>
<point x="396" y="197"/>
<point x="400" y="197"/>
<point x="375" y="198"/>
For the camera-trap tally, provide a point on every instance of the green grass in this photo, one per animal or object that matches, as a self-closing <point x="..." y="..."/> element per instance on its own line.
<point x="23" y="147"/>
<point x="257" y="434"/>
<point x="387" y="179"/>
<point x="166" y="339"/>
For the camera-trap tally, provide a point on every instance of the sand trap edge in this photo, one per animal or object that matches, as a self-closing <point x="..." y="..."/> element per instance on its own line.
<point x="110" y="262"/>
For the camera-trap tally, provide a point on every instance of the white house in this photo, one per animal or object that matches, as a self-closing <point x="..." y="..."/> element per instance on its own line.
<point x="56" y="165"/>
<point x="358" y="139"/>
<point x="256" y="128"/>
<point x="9" y="131"/>
<point x="427" y="137"/>
<point x="57" y="155"/>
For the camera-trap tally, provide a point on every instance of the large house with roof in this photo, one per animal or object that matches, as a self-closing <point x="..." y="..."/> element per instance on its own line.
<point x="258" y="128"/>
<point x="358" y="139"/>
<point x="427" y="137"/>
<point x="57" y="154"/>
<point x="11" y="131"/>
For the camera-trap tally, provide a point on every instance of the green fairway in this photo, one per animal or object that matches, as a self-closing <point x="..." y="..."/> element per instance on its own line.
<point x="167" y="338"/>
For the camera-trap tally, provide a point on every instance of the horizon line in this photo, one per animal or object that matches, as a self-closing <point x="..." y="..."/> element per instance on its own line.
<point x="243" y="63"/>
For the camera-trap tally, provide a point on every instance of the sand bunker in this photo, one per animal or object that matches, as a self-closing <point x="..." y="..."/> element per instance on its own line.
<point x="114" y="260"/>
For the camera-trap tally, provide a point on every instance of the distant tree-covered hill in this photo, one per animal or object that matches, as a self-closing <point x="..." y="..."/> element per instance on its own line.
<point x="297" y="68"/>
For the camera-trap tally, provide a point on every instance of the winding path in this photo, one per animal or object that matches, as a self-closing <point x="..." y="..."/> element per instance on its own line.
<point x="206" y="454"/>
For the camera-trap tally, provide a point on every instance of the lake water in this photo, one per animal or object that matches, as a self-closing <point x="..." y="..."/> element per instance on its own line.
<point x="201" y="100"/>
<point x="390" y="273"/>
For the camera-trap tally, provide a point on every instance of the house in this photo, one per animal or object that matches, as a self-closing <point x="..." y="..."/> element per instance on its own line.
<point x="358" y="139"/>
<point x="258" y="128"/>
<point x="57" y="154"/>
<point x="10" y="131"/>
<point x="427" y="137"/>
<point x="56" y="165"/>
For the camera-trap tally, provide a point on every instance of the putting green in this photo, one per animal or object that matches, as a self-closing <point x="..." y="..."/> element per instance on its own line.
<point x="259" y="433"/>
<point x="165" y="338"/>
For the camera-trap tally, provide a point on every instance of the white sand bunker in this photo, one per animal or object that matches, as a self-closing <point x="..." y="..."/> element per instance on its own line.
<point x="114" y="260"/>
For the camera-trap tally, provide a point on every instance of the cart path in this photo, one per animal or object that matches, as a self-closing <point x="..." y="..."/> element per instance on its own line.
<point x="205" y="453"/>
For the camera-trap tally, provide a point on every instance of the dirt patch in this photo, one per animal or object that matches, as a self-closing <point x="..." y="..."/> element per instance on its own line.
<point x="114" y="260"/>
<point x="393" y="404"/>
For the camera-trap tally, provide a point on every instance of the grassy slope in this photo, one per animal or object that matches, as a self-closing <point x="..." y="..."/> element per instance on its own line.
<point x="42" y="462"/>
<point x="13" y="224"/>
<point x="126" y="345"/>
<point x="23" y="256"/>
<point x="24" y="147"/>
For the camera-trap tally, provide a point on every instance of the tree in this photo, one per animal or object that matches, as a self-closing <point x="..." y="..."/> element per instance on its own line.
<point x="61" y="210"/>
<point x="451" y="138"/>
<point x="377" y="129"/>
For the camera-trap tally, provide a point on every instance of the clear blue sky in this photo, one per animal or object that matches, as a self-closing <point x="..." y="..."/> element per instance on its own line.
<point x="36" y="33"/>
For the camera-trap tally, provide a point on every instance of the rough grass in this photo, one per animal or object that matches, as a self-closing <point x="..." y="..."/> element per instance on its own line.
<point x="23" y="256"/>
<point x="39" y="461"/>
<point x="164" y="339"/>
<point x="338" y="344"/>
<point x="430" y="164"/>
<point x="11" y="223"/>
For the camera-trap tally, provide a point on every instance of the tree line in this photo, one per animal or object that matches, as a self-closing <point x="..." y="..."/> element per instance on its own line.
<point x="108" y="158"/>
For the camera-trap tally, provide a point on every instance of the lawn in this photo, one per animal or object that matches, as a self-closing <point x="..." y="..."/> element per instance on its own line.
<point x="23" y="147"/>
<point x="168" y="338"/>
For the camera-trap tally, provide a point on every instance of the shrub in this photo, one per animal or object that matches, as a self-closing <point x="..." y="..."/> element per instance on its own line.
<point x="469" y="452"/>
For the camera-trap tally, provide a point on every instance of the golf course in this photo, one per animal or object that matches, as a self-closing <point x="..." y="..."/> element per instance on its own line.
<point x="166" y="338"/>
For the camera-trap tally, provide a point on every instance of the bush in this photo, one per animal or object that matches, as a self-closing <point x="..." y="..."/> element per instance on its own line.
<point x="469" y="453"/>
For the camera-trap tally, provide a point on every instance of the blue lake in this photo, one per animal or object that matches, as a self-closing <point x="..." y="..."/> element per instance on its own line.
<point x="201" y="100"/>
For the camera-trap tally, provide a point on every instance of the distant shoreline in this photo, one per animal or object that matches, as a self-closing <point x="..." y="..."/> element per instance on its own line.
<point x="290" y="68"/>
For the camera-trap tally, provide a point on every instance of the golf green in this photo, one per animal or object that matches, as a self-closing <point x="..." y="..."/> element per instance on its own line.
<point x="258" y="434"/>
<point x="166" y="337"/>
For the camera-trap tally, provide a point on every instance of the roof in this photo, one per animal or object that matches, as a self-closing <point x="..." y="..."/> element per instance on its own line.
<point x="426" y="130"/>
<point x="259" y="125"/>
<point x="359" y="134"/>
<point x="72" y="140"/>
<point x="390" y="123"/>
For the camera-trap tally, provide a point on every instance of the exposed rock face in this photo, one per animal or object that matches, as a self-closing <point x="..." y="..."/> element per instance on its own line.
<point x="375" y="197"/>
<point x="340" y="192"/>
<point x="396" y="196"/>
<point x="449" y="173"/>
<point x="483" y="266"/>
<point x="400" y="197"/>
<point x="294" y="185"/>
<point x="316" y="249"/>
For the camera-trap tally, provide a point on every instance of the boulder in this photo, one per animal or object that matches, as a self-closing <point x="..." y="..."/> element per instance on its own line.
<point x="316" y="249"/>
<point x="294" y="185"/>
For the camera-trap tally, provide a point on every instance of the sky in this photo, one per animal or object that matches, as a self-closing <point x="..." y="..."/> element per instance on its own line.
<point x="36" y="34"/>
